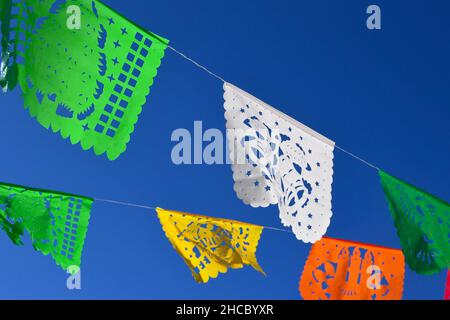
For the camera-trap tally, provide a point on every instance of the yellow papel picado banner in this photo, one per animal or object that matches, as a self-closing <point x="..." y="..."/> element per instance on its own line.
<point x="211" y="245"/>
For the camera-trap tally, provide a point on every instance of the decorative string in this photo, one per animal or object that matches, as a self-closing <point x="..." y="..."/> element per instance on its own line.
<point x="127" y="204"/>
<point x="198" y="65"/>
<point x="358" y="158"/>
<point x="134" y="205"/>
<point x="202" y="67"/>
<point x="140" y="206"/>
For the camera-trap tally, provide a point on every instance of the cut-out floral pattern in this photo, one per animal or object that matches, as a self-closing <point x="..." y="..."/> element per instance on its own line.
<point x="286" y="164"/>
<point x="345" y="270"/>
<point x="423" y="225"/>
<point x="57" y="222"/>
<point x="90" y="83"/>
<point x="210" y="246"/>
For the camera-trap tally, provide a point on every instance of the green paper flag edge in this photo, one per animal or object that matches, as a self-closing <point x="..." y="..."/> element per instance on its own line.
<point x="114" y="138"/>
<point x="45" y="201"/>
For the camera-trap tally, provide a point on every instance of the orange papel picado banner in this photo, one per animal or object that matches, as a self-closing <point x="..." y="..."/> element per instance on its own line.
<point x="344" y="270"/>
<point x="211" y="245"/>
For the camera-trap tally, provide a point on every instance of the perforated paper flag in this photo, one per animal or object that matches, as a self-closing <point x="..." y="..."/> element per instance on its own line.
<point x="57" y="222"/>
<point x="277" y="160"/>
<point x="346" y="270"/>
<point x="210" y="246"/>
<point x="84" y="70"/>
<point x="423" y="225"/>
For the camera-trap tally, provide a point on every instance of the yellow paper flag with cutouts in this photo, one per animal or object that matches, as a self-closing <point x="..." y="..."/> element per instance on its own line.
<point x="211" y="245"/>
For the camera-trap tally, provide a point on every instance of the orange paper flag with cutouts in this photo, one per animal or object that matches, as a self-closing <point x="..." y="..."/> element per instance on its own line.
<point x="344" y="270"/>
<point x="210" y="246"/>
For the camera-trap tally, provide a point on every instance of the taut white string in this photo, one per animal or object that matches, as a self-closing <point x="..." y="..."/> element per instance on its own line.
<point x="134" y="205"/>
<point x="128" y="204"/>
<point x="200" y="66"/>
<point x="358" y="158"/>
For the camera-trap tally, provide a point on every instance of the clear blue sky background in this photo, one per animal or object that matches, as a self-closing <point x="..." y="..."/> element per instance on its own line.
<point x="382" y="94"/>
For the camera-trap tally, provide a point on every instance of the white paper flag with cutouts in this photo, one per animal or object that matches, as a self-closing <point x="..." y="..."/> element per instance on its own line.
<point x="277" y="160"/>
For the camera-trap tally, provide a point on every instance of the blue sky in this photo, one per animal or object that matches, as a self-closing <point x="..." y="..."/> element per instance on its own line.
<point x="384" y="95"/>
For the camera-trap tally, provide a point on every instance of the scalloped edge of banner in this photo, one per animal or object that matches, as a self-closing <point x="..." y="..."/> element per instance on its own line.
<point x="219" y="271"/>
<point x="277" y="202"/>
<point x="101" y="150"/>
<point x="301" y="283"/>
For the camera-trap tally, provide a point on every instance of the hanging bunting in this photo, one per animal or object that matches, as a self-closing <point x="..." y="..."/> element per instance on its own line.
<point x="447" y="287"/>
<point x="277" y="160"/>
<point x="345" y="270"/>
<point x="57" y="222"/>
<point x="211" y="245"/>
<point x="84" y="70"/>
<point x="423" y="225"/>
